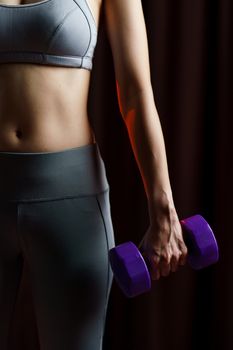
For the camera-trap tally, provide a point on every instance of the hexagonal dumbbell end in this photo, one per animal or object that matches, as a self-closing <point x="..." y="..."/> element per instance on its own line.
<point x="200" y="241"/>
<point x="130" y="269"/>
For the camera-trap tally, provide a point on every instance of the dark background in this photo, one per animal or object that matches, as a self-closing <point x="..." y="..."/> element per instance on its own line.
<point x="190" y="47"/>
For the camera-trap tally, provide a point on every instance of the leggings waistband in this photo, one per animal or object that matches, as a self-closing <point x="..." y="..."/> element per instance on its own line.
<point x="30" y="176"/>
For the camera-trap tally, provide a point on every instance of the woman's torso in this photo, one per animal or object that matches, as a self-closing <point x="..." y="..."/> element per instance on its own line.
<point x="44" y="108"/>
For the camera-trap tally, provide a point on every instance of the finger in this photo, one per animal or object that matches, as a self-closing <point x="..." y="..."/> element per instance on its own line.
<point x="174" y="263"/>
<point x="154" y="267"/>
<point x="165" y="267"/>
<point x="182" y="260"/>
<point x="184" y="254"/>
<point x="155" y="274"/>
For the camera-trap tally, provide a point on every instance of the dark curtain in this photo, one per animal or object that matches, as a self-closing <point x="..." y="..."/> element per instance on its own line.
<point x="190" y="47"/>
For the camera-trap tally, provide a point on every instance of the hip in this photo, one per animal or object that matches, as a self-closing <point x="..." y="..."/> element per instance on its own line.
<point x="40" y="176"/>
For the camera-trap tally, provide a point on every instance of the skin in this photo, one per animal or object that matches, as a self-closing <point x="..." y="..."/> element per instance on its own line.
<point x="44" y="108"/>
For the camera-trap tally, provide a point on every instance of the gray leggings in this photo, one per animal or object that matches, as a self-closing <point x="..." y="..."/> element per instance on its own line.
<point x="55" y="215"/>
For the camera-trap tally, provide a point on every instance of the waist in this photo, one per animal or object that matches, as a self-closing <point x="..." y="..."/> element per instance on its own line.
<point x="39" y="176"/>
<point x="45" y="134"/>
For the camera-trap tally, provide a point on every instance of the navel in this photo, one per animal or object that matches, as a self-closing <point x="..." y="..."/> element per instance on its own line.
<point x="18" y="134"/>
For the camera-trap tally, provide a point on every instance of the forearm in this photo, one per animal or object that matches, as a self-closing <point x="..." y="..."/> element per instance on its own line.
<point x="146" y="138"/>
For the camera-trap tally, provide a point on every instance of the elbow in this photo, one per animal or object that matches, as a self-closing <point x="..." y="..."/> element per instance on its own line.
<point x="131" y="97"/>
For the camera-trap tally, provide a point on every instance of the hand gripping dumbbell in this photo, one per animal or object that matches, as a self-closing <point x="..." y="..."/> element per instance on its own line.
<point x="130" y="269"/>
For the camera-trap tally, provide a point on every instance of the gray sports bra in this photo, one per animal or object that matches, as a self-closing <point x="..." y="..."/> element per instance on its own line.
<point x="50" y="32"/>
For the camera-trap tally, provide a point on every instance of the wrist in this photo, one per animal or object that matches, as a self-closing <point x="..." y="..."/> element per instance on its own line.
<point x="161" y="197"/>
<point x="161" y="205"/>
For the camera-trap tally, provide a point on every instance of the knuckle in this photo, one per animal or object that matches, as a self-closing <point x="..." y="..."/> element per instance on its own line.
<point x="175" y="261"/>
<point x="165" y="261"/>
<point x="166" y="258"/>
<point x="155" y="259"/>
<point x="176" y="256"/>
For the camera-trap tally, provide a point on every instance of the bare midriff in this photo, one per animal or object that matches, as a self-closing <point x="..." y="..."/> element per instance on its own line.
<point x="44" y="108"/>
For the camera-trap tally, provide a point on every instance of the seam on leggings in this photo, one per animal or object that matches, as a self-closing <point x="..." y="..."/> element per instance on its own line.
<point x="56" y="198"/>
<point x="108" y="272"/>
<point x="106" y="236"/>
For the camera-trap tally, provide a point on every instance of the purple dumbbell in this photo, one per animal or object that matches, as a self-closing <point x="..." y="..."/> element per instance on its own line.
<point x="130" y="269"/>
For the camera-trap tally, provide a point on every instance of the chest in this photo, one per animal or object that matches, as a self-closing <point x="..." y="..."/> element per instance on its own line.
<point x="61" y="29"/>
<point x="94" y="5"/>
